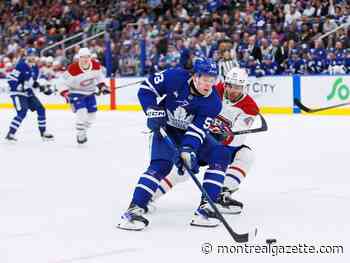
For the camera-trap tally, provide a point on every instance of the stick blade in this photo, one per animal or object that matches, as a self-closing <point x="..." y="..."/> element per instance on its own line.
<point x="247" y="237"/>
<point x="302" y="106"/>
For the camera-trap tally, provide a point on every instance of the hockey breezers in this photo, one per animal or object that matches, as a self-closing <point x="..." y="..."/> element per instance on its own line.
<point x="239" y="238"/>
<point x="309" y="110"/>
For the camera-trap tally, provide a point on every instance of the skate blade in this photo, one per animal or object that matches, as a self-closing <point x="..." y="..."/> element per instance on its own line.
<point x="205" y="226"/>
<point x="129" y="228"/>
<point x="48" y="139"/>
<point x="230" y="211"/>
<point x="10" y="142"/>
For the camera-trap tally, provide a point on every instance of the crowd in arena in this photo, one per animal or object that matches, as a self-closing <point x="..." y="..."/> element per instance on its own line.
<point x="267" y="37"/>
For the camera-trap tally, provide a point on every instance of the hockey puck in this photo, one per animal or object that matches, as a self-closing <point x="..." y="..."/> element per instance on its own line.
<point x="271" y="240"/>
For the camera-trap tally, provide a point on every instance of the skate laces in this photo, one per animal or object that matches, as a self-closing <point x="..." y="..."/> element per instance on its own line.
<point x="205" y="210"/>
<point x="226" y="195"/>
<point x="135" y="210"/>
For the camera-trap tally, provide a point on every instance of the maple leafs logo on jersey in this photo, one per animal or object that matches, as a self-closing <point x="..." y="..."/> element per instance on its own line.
<point x="180" y="119"/>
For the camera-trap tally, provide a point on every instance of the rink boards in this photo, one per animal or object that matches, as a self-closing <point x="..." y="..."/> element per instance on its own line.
<point x="273" y="94"/>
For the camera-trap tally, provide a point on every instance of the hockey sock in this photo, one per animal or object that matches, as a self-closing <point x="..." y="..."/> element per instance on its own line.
<point x="149" y="181"/>
<point x="42" y="123"/>
<point x="213" y="180"/>
<point x="237" y="170"/>
<point x="15" y="123"/>
<point x="90" y="119"/>
<point x="234" y="177"/>
<point x="82" y="117"/>
<point x="168" y="182"/>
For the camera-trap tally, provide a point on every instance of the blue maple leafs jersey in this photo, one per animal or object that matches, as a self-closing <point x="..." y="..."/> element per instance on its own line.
<point x="301" y="66"/>
<point x="22" y="78"/>
<point x="188" y="116"/>
<point x="311" y="67"/>
<point x="270" y="69"/>
<point x="347" y="65"/>
<point x="291" y="66"/>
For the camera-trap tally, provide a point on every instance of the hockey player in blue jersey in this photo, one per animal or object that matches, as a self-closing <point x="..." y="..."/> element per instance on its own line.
<point x="22" y="81"/>
<point x="186" y="112"/>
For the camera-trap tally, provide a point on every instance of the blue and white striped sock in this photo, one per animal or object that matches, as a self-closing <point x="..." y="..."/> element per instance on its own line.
<point x="15" y="124"/>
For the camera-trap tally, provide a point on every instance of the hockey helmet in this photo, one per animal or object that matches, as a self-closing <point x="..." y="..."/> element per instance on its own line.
<point x="84" y="52"/>
<point x="31" y="52"/>
<point x="237" y="76"/>
<point x="203" y="66"/>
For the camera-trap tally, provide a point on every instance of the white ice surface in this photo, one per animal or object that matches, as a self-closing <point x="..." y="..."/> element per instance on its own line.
<point x="59" y="203"/>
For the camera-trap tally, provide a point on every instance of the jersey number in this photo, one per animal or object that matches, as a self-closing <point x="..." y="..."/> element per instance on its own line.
<point x="159" y="77"/>
<point x="208" y="121"/>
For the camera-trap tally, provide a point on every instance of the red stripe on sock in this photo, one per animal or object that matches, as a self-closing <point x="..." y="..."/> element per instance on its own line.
<point x="238" y="169"/>
<point x="168" y="182"/>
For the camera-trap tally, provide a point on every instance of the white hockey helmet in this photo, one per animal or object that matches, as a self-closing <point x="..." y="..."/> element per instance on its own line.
<point x="84" y="52"/>
<point x="49" y="60"/>
<point x="237" y="76"/>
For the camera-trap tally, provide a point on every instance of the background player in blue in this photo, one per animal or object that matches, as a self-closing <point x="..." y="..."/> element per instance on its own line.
<point x="22" y="81"/>
<point x="186" y="112"/>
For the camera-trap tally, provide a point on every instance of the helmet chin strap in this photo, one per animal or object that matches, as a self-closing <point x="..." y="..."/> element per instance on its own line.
<point x="193" y="86"/>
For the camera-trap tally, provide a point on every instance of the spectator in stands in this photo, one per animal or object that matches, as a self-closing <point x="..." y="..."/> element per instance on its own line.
<point x="256" y="28"/>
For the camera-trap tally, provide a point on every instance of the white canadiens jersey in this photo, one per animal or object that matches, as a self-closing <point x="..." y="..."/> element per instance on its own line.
<point x="79" y="81"/>
<point x="237" y="116"/>
<point x="47" y="73"/>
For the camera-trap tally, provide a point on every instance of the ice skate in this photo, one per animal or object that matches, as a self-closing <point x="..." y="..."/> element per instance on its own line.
<point x="228" y="205"/>
<point x="132" y="219"/>
<point x="47" y="137"/>
<point x="205" y="216"/>
<point x="10" y="138"/>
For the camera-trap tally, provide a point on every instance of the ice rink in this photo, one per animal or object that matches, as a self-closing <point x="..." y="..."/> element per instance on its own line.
<point x="59" y="203"/>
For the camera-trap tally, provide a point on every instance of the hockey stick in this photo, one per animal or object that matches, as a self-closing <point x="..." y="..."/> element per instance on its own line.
<point x="128" y="84"/>
<point x="309" y="110"/>
<point x="239" y="238"/>
<point x="262" y="128"/>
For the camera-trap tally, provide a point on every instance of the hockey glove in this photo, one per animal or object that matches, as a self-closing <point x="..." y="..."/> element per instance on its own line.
<point x="102" y="89"/>
<point x="65" y="95"/>
<point x="188" y="158"/>
<point x="46" y="90"/>
<point x="36" y="85"/>
<point x="222" y="133"/>
<point x="156" y="118"/>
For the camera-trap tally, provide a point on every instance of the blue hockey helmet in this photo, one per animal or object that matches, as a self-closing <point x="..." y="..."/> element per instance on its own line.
<point x="31" y="52"/>
<point x="203" y="66"/>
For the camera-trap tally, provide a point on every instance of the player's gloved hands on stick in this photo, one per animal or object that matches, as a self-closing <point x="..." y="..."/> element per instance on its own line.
<point x="156" y="118"/>
<point x="65" y="95"/>
<point x="36" y="85"/>
<point x="102" y="89"/>
<point x="222" y="133"/>
<point x="189" y="158"/>
<point x="46" y="89"/>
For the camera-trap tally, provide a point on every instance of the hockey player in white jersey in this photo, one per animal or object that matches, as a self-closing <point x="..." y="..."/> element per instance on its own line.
<point x="81" y="80"/>
<point x="238" y="113"/>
